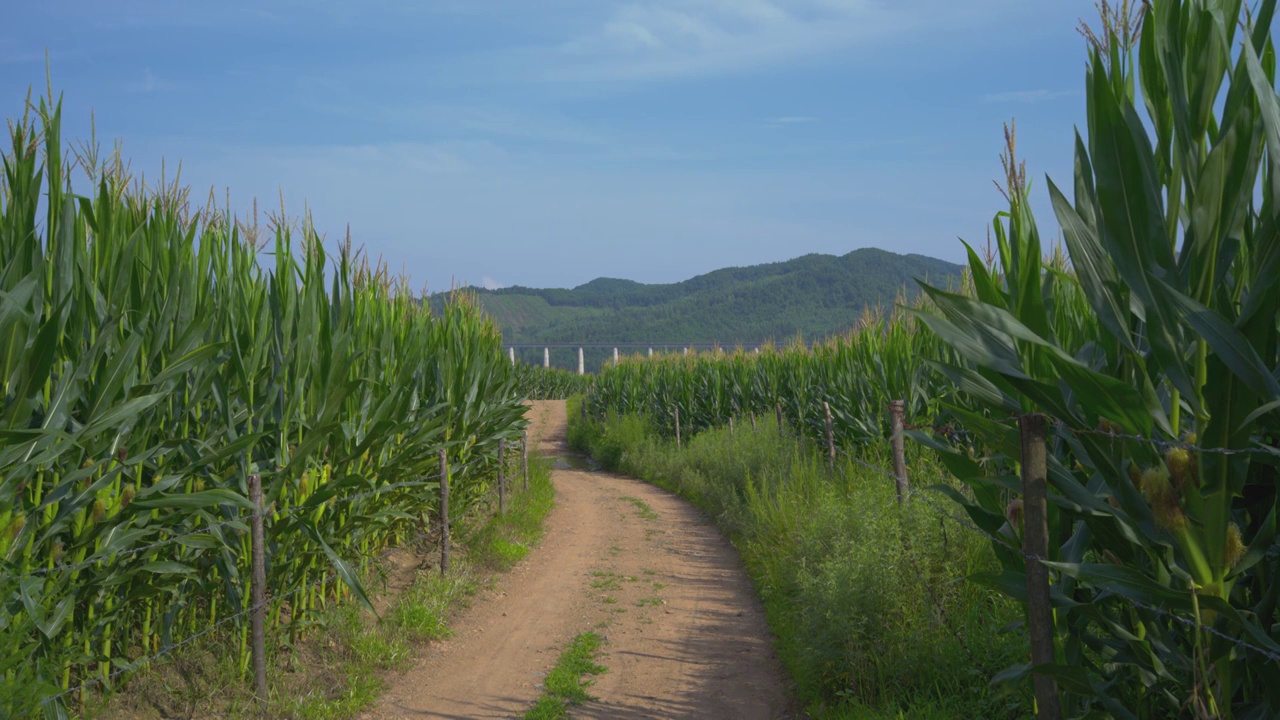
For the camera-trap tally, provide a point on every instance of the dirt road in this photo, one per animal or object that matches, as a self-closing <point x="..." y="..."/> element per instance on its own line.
<point x="685" y="635"/>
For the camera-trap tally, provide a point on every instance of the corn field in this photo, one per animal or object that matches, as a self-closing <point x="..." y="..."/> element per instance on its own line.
<point x="539" y="383"/>
<point x="150" y="363"/>
<point x="1152" y="347"/>
<point x="858" y="374"/>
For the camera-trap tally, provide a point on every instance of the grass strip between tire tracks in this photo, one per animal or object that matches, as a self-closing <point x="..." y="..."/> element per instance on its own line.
<point x="565" y="686"/>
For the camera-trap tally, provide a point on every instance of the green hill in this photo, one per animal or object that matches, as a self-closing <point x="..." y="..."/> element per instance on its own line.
<point x="814" y="295"/>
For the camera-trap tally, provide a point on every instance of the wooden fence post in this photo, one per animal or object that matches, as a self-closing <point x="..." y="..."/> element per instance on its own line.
<point x="1035" y="545"/>
<point x="896" y="410"/>
<point x="677" y="428"/>
<point x="753" y="422"/>
<point x="831" y="437"/>
<point x="777" y="406"/>
<point x="258" y="593"/>
<point x="730" y="426"/>
<point x="502" y="479"/>
<point x="444" y="512"/>
<point x="524" y="459"/>
<point x="582" y="368"/>
<point x="546" y="357"/>
<point x="615" y="356"/>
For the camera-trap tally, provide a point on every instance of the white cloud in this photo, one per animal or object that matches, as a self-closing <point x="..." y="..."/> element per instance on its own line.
<point x="681" y="38"/>
<point x="491" y="284"/>
<point x="1025" y="96"/>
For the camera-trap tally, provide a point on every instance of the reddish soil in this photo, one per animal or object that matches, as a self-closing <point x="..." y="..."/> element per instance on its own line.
<point x="685" y="634"/>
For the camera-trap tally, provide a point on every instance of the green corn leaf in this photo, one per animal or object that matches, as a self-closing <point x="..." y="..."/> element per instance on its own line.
<point x="343" y="569"/>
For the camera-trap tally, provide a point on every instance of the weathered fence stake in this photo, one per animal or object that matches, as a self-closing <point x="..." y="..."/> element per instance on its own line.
<point x="730" y="426"/>
<point x="896" y="410"/>
<point x="502" y="479"/>
<point x="677" y="428"/>
<point x="753" y="422"/>
<point x="546" y="357"/>
<point x="511" y="353"/>
<point x="777" y="406"/>
<point x="444" y="512"/>
<point x="524" y="458"/>
<point x="1035" y="544"/>
<point x="831" y="437"/>
<point x="258" y="593"/>
<point x="581" y="366"/>
<point x="615" y="356"/>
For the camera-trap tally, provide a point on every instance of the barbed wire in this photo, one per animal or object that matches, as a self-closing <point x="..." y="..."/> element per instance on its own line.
<point x="95" y="559"/>
<point x="173" y="647"/>
<point x="915" y="492"/>
<point x="969" y="525"/>
<point x="514" y="445"/>
<point x="1012" y="420"/>
<point x="277" y="516"/>
<point x="1168" y="444"/>
<point x="1273" y="656"/>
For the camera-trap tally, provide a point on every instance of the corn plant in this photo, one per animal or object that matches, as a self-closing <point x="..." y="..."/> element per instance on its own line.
<point x="858" y="374"/>
<point x="1163" y="470"/>
<point x="539" y="383"/>
<point x="149" y="364"/>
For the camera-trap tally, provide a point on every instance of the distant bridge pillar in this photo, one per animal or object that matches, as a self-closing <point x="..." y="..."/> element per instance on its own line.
<point x="546" y="357"/>
<point x="582" y="368"/>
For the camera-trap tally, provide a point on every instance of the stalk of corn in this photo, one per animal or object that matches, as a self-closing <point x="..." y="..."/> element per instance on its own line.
<point x="149" y="363"/>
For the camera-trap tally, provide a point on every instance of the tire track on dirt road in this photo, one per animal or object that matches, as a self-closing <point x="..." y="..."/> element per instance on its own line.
<point x="685" y="634"/>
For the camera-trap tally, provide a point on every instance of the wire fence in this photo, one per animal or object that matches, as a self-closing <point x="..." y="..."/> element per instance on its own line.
<point x="140" y="663"/>
<point x="242" y="521"/>
<point x="967" y="524"/>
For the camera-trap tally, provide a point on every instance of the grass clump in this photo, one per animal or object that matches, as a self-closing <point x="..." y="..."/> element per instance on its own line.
<point x="642" y="507"/>
<point x="564" y="686"/>
<point x="505" y="540"/>
<point x="869" y="602"/>
<point x="421" y="613"/>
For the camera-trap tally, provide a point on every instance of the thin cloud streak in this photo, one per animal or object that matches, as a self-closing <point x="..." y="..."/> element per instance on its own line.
<point x="627" y="43"/>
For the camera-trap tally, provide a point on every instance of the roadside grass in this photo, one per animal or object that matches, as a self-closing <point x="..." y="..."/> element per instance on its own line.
<point x="336" y="668"/>
<point x="874" y="616"/>
<point x="502" y="542"/>
<point x="564" y="686"/>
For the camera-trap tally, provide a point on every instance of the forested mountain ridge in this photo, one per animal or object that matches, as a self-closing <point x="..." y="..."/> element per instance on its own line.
<point x="814" y="295"/>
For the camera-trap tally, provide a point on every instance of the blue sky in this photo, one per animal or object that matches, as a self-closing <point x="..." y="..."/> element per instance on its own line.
<point x="548" y="143"/>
